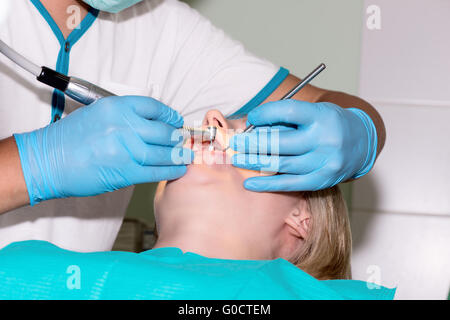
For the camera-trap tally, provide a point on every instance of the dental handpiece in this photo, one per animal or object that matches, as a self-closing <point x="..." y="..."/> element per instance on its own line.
<point x="208" y="134"/>
<point x="78" y="89"/>
<point x="81" y="90"/>
<point x="86" y="93"/>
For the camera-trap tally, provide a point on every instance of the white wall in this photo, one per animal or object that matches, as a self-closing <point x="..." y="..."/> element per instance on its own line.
<point x="296" y="34"/>
<point x="401" y="211"/>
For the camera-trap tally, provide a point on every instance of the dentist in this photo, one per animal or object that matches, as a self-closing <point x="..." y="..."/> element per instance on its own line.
<point x="67" y="172"/>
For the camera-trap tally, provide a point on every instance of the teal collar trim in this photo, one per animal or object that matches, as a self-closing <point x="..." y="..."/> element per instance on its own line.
<point x="77" y="33"/>
<point x="273" y="84"/>
<point x="62" y="63"/>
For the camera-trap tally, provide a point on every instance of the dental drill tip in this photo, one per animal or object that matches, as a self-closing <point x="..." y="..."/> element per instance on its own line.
<point x="212" y="134"/>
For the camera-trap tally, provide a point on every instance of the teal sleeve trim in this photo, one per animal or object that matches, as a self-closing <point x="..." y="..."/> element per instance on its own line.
<point x="273" y="84"/>
<point x="62" y="63"/>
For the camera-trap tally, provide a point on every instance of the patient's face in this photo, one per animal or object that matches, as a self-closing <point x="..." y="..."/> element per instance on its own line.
<point x="212" y="195"/>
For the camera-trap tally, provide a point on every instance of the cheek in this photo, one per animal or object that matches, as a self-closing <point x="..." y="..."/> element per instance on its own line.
<point x="270" y="207"/>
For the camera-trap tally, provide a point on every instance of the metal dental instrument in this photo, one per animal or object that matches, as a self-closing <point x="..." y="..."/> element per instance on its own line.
<point x="293" y="91"/>
<point x="212" y="135"/>
<point x="81" y="90"/>
<point x="208" y="134"/>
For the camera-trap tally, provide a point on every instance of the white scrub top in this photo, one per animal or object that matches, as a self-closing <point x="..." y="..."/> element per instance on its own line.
<point x="158" y="48"/>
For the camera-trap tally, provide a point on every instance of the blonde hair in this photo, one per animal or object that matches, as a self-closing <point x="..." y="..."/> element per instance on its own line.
<point x="326" y="252"/>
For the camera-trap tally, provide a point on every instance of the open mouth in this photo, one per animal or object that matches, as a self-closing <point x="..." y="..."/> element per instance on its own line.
<point x="204" y="146"/>
<point x="210" y="153"/>
<point x="196" y="143"/>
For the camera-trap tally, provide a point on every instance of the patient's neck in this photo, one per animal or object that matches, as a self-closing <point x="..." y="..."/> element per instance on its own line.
<point x="228" y="223"/>
<point x="212" y="242"/>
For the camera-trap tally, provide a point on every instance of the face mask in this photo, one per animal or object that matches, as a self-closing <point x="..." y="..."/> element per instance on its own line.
<point x="112" y="6"/>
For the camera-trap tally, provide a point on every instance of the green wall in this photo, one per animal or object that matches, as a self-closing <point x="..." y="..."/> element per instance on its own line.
<point x="296" y="34"/>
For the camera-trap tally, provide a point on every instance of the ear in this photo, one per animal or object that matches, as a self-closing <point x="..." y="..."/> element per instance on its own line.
<point x="298" y="219"/>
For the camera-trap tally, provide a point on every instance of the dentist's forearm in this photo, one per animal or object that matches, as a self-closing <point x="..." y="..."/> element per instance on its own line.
<point x="348" y="101"/>
<point x="13" y="190"/>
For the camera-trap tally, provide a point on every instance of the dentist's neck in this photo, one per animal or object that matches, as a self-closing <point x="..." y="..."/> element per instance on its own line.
<point x="67" y="14"/>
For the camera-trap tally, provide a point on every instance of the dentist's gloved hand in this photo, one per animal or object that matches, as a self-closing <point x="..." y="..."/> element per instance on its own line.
<point x="320" y="145"/>
<point x="111" y="144"/>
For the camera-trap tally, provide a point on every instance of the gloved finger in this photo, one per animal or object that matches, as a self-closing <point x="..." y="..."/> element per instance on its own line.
<point x="286" y="111"/>
<point x="157" y="132"/>
<point x="288" y="182"/>
<point x="154" y="155"/>
<point x="256" y="162"/>
<point x="156" y="174"/>
<point x="287" y="142"/>
<point x="153" y="109"/>
<point x="151" y="155"/>
<point x="280" y="127"/>
<point x="300" y="165"/>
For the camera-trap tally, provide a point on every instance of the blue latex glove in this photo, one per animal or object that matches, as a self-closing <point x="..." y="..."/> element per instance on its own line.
<point x="320" y="145"/>
<point x="111" y="144"/>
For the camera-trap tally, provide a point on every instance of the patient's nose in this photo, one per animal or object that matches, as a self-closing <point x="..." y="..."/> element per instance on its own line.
<point x="215" y="118"/>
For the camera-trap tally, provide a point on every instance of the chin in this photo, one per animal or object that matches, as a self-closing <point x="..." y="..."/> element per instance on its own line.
<point x="209" y="167"/>
<point x="198" y="175"/>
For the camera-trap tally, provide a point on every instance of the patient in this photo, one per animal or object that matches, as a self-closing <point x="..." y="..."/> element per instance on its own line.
<point x="216" y="241"/>
<point x="209" y="212"/>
